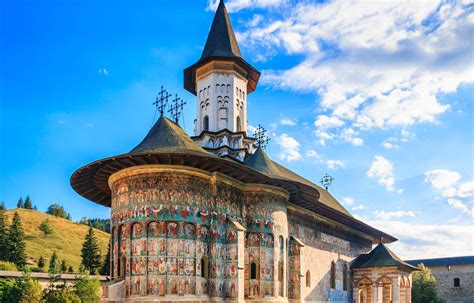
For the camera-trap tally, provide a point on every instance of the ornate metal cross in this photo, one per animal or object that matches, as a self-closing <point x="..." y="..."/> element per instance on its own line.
<point x="261" y="137"/>
<point x="161" y="101"/>
<point x="176" y="108"/>
<point x="326" y="181"/>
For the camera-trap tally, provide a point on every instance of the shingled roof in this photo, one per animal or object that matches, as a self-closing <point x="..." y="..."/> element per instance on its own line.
<point x="262" y="163"/>
<point x="221" y="40"/>
<point x="167" y="137"/>
<point x="380" y="256"/>
<point x="221" y="44"/>
<point x="443" y="261"/>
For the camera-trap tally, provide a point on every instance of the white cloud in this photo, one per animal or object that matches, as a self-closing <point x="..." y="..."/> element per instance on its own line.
<point x="393" y="59"/>
<point x="103" y="71"/>
<point x="288" y="122"/>
<point x="349" y="136"/>
<point x="289" y="147"/>
<point x="312" y="154"/>
<point x="348" y="200"/>
<point x="417" y="240"/>
<point x="359" y="207"/>
<point x="398" y="214"/>
<point x="334" y="164"/>
<point x="237" y="5"/>
<point x="390" y="143"/>
<point x="382" y="169"/>
<point x="442" y="179"/>
<point x="459" y="196"/>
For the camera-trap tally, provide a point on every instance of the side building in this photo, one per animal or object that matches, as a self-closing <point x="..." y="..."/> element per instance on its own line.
<point x="454" y="277"/>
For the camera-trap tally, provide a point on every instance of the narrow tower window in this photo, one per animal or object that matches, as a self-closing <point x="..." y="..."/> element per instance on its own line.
<point x="253" y="271"/>
<point x="308" y="279"/>
<point x="333" y="275"/>
<point x="239" y="127"/>
<point x="345" y="278"/>
<point x="205" y="123"/>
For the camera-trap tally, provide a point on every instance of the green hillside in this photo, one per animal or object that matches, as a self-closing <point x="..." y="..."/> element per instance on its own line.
<point x="66" y="240"/>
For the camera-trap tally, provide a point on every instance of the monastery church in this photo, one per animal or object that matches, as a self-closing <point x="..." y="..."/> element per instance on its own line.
<point x="211" y="218"/>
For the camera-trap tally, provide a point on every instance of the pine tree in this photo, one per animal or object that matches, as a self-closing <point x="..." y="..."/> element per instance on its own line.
<point x="20" y="203"/>
<point x="16" y="243"/>
<point x="35" y="208"/>
<point x="46" y="228"/>
<point x="68" y="217"/>
<point x="105" y="269"/>
<point x="63" y="266"/>
<point x="28" y="204"/>
<point x="41" y="262"/>
<point x="90" y="252"/>
<point x="53" y="263"/>
<point x="70" y="269"/>
<point x="2" y="206"/>
<point x="3" y="237"/>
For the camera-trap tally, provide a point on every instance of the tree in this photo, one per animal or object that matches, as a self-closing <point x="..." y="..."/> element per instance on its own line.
<point x="90" y="252"/>
<point x="2" y="206"/>
<point x="57" y="211"/>
<point x="88" y="289"/>
<point x="46" y="228"/>
<point x="70" y="269"/>
<point x="3" y="237"/>
<point x="20" y="203"/>
<point x="105" y="269"/>
<point x="53" y="263"/>
<point x="63" y="266"/>
<point x="61" y="295"/>
<point x="84" y="221"/>
<point x="41" y="262"/>
<point x="28" y="204"/>
<point x="68" y="217"/>
<point x="31" y="291"/>
<point x="16" y="242"/>
<point x="424" y="286"/>
<point x="35" y="208"/>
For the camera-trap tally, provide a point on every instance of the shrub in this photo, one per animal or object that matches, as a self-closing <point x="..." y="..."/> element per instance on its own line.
<point x="88" y="289"/>
<point x="8" y="266"/>
<point x="61" y="296"/>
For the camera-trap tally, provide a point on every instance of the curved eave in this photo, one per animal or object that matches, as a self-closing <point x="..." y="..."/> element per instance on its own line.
<point x="91" y="182"/>
<point x="253" y="75"/>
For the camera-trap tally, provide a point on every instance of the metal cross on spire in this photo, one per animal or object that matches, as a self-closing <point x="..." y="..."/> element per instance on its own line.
<point x="326" y="181"/>
<point x="161" y="101"/>
<point x="261" y="137"/>
<point x="176" y="108"/>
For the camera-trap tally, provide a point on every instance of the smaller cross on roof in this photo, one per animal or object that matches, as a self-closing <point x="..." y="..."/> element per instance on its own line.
<point x="326" y="181"/>
<point x="161" y="101"/>
<point x="176" y="108"/>
<point x="261" y="137"/>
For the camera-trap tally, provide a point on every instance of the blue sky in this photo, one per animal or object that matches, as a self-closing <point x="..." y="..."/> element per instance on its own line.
<point x="378" y="95"/>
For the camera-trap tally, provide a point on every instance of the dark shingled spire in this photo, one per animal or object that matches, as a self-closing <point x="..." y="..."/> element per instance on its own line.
<point x="221" y="45"/>
<point x="221" y="40"/>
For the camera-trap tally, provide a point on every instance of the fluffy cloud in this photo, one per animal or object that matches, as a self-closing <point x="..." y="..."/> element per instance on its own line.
<point x="382" y="65"/>
<point x="388" y="215"/>
<point x="459" y="196"/>
<point x="359" y="207"/>
<point x="347" y="200"/>
<point x="334" y="164"/>
<point x="312" y="154"/>
<point x="418" y="240"/>
<point x="382" y="169"/>
<point x="287" y="121"/>
<point x="289" y="147"/>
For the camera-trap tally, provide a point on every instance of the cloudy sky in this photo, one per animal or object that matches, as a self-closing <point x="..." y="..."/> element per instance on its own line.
<point x="378" y="94"/>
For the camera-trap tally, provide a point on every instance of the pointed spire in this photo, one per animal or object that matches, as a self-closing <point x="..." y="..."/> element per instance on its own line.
<point x="221" y="41"/>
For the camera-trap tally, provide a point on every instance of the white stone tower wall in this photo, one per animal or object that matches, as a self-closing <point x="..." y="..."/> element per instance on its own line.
<point x="221" y="95"/>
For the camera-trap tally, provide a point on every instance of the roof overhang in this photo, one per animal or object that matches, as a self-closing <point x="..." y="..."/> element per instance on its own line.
<point x="245" y="69"/>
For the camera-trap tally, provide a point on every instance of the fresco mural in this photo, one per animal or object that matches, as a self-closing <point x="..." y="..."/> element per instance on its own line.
<point x="294" y="265"/>
<point x="172" y="237"/>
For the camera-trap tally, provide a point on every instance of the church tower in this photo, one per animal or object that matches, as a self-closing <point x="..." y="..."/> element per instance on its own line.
<point x="221" y="80"/>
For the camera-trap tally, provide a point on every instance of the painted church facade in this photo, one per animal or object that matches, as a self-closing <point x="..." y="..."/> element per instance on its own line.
<point x="212" y="218"/>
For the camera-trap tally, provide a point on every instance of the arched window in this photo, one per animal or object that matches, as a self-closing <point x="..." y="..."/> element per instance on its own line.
<point x="333" y="275"/>
<point x="205" y="267"/>
<point x="204" y="92"/>
<point x="205" y="123"/>
<point x="208" y="89"/>
<point x="345" y="278"/>
<point x="308" y="279"/>
<point x="243" y="95"/>
<point x="228" y="89"/>
<point x="457" y="282"/>
<point x="239" y="127"/>
<point x="223" y="88"/>
<point x="217" y="88"/>
<point x="253" y="271"/>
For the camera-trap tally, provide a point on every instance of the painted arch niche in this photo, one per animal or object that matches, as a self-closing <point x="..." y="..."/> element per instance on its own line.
<point x="259" y="265"/>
